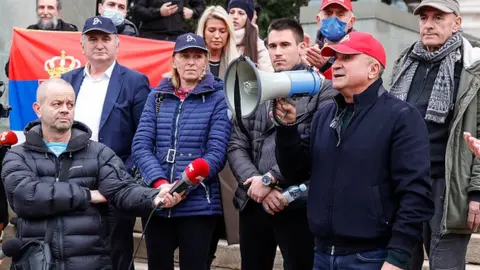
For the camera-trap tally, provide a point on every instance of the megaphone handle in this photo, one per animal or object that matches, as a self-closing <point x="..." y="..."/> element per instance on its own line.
<point x="238" y="106"/>
<point x="276" y="120"/>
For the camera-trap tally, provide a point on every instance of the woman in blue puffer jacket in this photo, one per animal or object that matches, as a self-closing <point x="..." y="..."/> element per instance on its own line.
<point x="184" y="119"/>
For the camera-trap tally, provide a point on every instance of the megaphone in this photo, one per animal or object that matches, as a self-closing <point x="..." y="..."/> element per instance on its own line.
<point x="246" y="87"/>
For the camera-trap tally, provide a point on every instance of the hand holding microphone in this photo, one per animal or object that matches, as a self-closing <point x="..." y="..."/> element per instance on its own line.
<point x="194" y="173"/>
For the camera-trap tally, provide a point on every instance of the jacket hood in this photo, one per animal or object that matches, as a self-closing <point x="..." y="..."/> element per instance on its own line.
<point x="209" y="84"/>
<point x="34" y="137"/>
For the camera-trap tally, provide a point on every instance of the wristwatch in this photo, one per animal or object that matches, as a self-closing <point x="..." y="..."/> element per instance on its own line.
<point x="267" y="180"/>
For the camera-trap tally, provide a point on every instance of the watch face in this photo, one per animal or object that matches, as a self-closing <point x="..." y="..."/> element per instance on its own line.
<point x="266" y="180"/>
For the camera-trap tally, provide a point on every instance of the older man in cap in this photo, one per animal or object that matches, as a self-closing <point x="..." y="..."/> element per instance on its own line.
<point x="335" y="19"/>
<point x="367" y="161"/>
<point x="440" y="76"/>
<point x="110" y="101"/>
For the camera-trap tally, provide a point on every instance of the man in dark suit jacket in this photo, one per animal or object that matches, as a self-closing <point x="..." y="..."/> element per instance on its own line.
<point x="110" y="101"/>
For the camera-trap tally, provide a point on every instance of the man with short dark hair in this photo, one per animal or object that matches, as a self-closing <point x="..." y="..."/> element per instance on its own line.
<point x="116" y="10"/>
<point x="440" y="75"/>
<point x="268" y="219"/>
<point x="366" y="157"/>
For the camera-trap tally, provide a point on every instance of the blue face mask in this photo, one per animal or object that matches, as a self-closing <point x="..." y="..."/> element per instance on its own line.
<point x="116" y="16"/>
<point x="333" y="29"/>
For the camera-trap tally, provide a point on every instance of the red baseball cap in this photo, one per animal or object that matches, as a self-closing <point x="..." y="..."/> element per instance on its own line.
<point x="358" y="43"/>
<point x="347" y="4"/>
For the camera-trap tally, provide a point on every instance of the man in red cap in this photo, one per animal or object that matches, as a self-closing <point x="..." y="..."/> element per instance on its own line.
<point x="335" y="20"/>
<point x="440" y="75"/>
<point x="367" y="162"/>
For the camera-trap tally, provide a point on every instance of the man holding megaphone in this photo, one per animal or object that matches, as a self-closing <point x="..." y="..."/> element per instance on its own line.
<point x="367" y="158"/>
<point x="266" y="219"/>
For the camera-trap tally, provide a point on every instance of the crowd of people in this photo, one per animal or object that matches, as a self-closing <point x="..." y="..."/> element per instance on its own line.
<point x="390" y="170"/>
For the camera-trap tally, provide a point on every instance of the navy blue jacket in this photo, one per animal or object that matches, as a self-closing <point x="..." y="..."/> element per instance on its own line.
<point x="369" y="185"/>
<point x="198" y="127"/>
<point x="126" y="95"/>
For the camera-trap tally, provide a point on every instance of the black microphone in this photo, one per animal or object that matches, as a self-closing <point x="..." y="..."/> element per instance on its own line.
<point x="11" y="248"/>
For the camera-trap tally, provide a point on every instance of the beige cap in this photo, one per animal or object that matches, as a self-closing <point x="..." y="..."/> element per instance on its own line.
<point x="447" y="6"/>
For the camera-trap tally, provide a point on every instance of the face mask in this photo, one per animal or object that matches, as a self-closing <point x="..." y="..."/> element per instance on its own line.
<point x="116" y="16"/>
<point x="333" y="29"/>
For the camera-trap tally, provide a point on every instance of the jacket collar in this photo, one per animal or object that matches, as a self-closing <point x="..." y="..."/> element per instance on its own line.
<point x="207" y="85"/>
<point x="34" y="137"/>
<point x="363" y="99"/>
<point x="299" y="66"/>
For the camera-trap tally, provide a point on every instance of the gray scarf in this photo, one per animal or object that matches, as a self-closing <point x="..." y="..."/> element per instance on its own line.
<point x="441" y="99"/>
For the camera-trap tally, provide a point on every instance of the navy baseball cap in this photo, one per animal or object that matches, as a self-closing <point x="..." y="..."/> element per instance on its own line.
<point x="188" y="41"/>
<point x="99" y="23"/>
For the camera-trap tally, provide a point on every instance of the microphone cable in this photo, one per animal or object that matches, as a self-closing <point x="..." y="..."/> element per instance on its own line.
<point x="143" y="234"/>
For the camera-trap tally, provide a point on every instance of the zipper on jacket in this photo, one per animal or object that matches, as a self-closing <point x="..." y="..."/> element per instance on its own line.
<point x="339" y="130"/>
<point x="172" y="171"/>
<point x="207" y="192"/>
<point x="60" y="243"/>
<point x="57" y="168"/>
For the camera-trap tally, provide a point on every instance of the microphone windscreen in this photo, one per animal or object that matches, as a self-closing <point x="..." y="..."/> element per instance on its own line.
<point x="197" y="170"/>
<point x="12" y="247"/>
<point x="8" y="138"/>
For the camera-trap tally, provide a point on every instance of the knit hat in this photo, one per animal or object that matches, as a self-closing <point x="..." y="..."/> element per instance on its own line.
<point x="246" y="5"/>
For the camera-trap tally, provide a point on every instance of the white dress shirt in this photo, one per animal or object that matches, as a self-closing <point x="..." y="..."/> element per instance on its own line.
<point x="90" y="99"/>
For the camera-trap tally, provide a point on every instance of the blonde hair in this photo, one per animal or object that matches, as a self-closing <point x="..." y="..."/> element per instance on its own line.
<point x="175" y="77"/>
<point x="229" y="51"/>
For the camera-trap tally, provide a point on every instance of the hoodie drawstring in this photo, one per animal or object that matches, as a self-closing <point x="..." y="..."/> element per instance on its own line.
<point x="203" y="98"/>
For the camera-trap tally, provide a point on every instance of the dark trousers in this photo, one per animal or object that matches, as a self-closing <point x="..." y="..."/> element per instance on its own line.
<point x="121" y="239"/>
<point x="260" y="233"/>
<point x="368" y="260"/>
<point x="218" y="234"/>
<point x="445" y="251"/>
<point x="192" y="235"/>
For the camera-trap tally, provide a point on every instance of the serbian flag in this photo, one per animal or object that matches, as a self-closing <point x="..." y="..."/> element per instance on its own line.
<point x="39" y="55"/>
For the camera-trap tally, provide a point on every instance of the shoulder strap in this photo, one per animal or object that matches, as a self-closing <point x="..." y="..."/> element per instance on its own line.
<point x="62" y="177"/>
<point x="238" y="107"/>
<point x="158" y="102"/>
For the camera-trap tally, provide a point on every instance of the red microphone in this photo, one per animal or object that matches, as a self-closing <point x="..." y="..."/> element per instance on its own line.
<point x="8" y="138"/>
<point x="193" y="174"/>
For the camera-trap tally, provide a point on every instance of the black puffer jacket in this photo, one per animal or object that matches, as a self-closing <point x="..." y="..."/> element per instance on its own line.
<point x="29" y="174"/>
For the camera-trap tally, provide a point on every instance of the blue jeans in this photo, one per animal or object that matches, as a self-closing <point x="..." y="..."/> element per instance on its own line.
<point x="368" y="260"/>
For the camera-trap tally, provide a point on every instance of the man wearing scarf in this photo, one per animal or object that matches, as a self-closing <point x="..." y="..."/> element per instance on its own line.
<point x="335" y="19"/>
<point x="440" y="76"/>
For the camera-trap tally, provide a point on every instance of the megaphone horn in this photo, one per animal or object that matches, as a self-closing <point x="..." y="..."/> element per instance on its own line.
<point x="246" y="87"/>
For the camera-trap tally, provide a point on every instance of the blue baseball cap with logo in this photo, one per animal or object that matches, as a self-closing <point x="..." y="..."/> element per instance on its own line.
<point x="189" y="41"/>
<point x="99" y="23"/>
